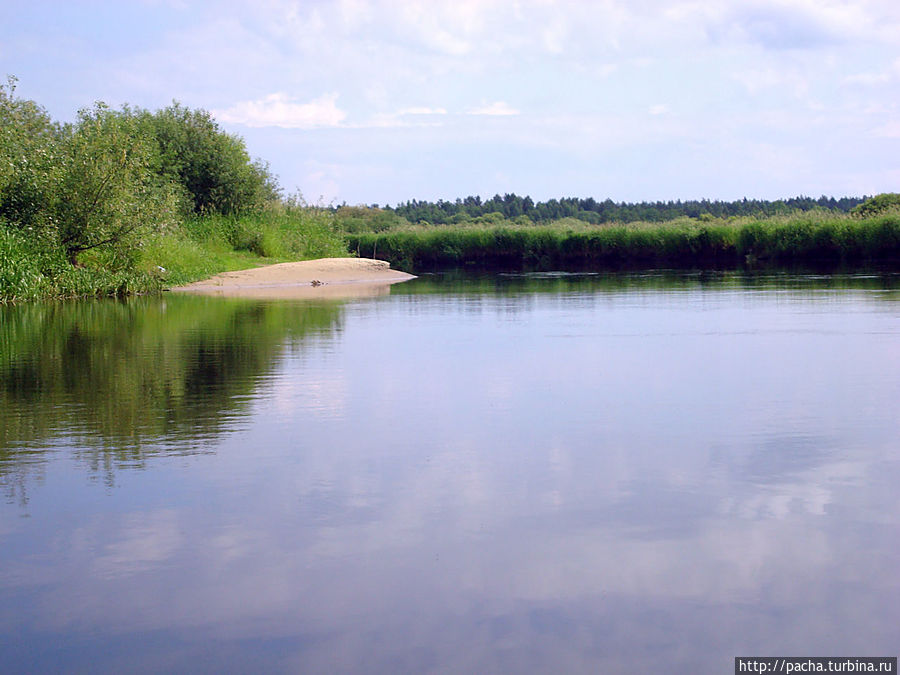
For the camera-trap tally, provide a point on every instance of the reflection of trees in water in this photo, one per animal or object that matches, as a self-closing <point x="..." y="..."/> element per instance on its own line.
<point x="649" y="281"/>
<point x="523" y="288"/>
<point x="121" y="380"/>
<point x="115" y="382"/>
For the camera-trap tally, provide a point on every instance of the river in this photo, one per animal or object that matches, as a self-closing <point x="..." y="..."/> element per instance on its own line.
<point x="649" y="472"/>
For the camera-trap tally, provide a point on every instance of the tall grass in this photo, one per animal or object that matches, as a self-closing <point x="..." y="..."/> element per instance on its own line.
<point x="205" y="246"/>
<point x="21" y="277"/>
<point x="195" y="249"/>
<point x="30" y="271"/>
<point x="799" y="239"/>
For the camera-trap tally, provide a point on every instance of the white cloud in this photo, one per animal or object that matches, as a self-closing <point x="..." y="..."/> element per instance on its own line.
<point x="498" y="108"/>
<point x="422" y="110"/>
<point x="438" y="75"/>
<point x="414" y="116"/>
<point x="281" y="110"/>
<point x="146" y="539"/>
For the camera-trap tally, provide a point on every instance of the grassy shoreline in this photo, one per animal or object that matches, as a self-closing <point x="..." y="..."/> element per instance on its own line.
<point x="802" y="239"/>
<point x="194" y="249"/>
<point x="201" y="247"/>
<point x="129" y="201"/>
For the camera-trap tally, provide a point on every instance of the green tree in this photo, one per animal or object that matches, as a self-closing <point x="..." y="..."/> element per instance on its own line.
<point x="108" y="193"/>
<point x="875" y="205"/>
<point x="28" y="161"/>
<point x="212" y="167"/>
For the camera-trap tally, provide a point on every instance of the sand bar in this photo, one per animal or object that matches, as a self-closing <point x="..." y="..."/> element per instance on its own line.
<point x="322" y="278"/>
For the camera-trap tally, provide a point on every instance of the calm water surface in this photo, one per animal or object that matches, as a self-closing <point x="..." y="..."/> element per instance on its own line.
<point x="647" y="473"/>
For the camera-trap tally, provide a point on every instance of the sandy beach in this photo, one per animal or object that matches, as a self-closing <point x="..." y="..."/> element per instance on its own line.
<point x="322" y="278"/>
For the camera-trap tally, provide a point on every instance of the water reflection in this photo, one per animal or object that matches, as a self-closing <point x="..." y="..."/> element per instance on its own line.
<point x="482" y="481"/>
<point x="115" y="380"/>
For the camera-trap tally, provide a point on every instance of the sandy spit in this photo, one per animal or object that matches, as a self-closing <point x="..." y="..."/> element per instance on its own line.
<point x="323" y="278"/>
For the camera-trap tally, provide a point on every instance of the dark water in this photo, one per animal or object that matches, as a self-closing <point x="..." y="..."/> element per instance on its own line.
<point x="648" y="473"/>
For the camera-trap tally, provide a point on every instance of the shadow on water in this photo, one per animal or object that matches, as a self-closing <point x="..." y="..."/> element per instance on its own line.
<point x="122" y="380"/>
<point x="886" y="283"/>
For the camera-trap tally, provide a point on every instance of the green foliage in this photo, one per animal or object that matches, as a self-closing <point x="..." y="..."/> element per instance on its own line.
<point x="878" y="204"/>
<point x="127" y="201"/>
<point x="279" y="231"/>
<point x="367" y="219"/>
<point x="798" y="239"/>
<point x="20" y="274"/>
<point x="589" y="210"/>
<point x="29" y="161"/>
<point x="85" y="187"/>
<point x="107" y="194"/>
<point x="207" y="245"/>
<point x="301" y="232"/>
<point x="211" y="166"/>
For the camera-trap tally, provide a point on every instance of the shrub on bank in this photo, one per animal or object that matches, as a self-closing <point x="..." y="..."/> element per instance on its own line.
<point x="888" y="201"/>
<point x="212" y="168"/>
<point x="126" y="201"/>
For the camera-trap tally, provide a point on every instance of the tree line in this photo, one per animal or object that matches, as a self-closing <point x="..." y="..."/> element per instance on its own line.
<point x="512" y="206"/>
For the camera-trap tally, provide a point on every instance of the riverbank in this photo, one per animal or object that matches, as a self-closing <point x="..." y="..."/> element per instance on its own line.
<point x="199" y="248"/>
<point x="819" y="239"/>
<point x="322" y="278"/>
<point x="188" y="250"/>
<point x="130" y="202"/>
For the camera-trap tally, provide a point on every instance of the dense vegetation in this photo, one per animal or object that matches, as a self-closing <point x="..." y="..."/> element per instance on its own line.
<point x="513" y="207"/>
<point x="813" y="238"/>
<point x="129" y="200"/>
<point x="825" y="232"/>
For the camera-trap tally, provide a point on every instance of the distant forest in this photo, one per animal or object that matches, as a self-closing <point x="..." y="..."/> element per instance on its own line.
<point x="590" y="210"/>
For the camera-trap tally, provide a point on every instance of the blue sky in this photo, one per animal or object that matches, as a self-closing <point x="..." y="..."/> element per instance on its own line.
<point x="379" y="102"/>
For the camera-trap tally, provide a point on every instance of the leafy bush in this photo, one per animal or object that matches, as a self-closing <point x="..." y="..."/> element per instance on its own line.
<point x="108" y="195"/>
<point x="211" y="166"/>
<point x="878" y="204"/>
<point x="91" y="208"/>
<point x="29" y="161"/>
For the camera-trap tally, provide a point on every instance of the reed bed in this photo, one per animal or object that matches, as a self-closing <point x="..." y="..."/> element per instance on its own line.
<point x="801" y="239"/>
